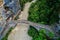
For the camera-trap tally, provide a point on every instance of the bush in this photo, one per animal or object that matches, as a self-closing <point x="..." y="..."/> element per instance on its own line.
<point x="44" y="11"/>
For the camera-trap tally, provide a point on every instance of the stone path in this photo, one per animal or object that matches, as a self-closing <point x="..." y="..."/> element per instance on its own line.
<point x="20" y="32"/>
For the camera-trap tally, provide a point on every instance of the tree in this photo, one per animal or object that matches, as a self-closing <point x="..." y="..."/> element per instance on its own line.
<point x="40" y="35"/>
<point x="44" y="11"/>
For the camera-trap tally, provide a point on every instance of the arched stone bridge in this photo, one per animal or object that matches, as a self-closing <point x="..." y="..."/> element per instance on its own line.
<point x="5" y="28"/>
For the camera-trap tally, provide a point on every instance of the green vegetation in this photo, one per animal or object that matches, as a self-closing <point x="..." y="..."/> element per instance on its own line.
<point x="40" y="35"/>
<point x="58" y="38"/>
<point x="44" y="11"/>
<point x="43" y="31"/>
<point x="33" y="32"/>
<point x="6" y="36"/>
<point x="22" y="3"/>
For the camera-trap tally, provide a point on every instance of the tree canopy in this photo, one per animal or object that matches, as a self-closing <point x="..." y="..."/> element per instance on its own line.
<point x="42" y="34"/>
<point x="44" y="11"/>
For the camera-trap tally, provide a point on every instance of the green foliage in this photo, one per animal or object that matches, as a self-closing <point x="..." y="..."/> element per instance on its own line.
<point x="43" y="31"/>
<point x="39" y="35"/>
<point x="44" y="11"/>
<point x="51" y="34"/>
<point x="6" y="36"/>
<point x="32" y="31"/>
<point x="22" y="3"/>
<point x="58" y="38"/>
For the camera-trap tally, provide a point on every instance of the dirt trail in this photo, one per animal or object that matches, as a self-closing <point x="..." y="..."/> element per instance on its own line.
<point x="20" y="32"/>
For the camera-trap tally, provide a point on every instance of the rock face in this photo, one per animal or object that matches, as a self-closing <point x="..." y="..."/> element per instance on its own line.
<point x="12" y="4"/>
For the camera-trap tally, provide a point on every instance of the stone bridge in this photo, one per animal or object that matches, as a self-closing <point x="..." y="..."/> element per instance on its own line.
<point x="5" y="27"/>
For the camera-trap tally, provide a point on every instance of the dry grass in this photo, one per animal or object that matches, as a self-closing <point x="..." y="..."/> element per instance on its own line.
<point x="1" y="1"/>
